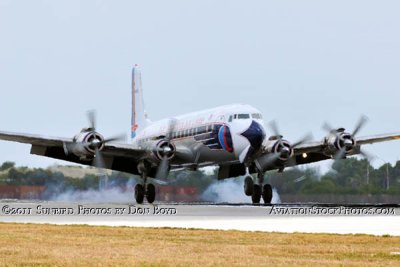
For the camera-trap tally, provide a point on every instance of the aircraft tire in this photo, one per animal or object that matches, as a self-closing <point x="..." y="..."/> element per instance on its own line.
<point x="248" y="186"/>
<point x="256" y="196"/>
<point x="151" y="193"/>
<point x="267" y="193"/>
<point x="139" y="193"/>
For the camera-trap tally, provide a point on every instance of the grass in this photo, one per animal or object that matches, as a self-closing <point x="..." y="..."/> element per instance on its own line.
<point x="50" y="245"/>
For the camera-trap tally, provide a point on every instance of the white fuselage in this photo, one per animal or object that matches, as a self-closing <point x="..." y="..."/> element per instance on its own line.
<point x="215" y="135"/>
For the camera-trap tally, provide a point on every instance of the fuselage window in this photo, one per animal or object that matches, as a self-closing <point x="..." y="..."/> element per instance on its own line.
<point x="243" y="116"/>
<point x="256" y="116"/>
<point x="202" y="129"/>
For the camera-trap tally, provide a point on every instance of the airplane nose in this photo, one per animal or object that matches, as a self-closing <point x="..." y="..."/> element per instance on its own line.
<point x="255" y="134"/>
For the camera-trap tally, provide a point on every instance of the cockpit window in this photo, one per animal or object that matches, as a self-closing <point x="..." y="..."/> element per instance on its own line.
<point x="230" y="118"/>
<point x="256" y="116"/>
<point x="243" y="116"/>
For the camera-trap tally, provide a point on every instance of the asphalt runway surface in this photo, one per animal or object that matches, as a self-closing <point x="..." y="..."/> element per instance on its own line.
<point x="305" y="218"/>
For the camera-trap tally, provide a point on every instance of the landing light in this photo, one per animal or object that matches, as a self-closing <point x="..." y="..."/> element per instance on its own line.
<point x="305" y="155"/>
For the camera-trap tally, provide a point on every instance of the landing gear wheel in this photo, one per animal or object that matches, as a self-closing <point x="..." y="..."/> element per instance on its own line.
<point x="267" y="194"/>
<point x="248" y="186"/>
<point x="256" y="196"/>
<point x="151" y="193"/>
<point x="139" y="193"/>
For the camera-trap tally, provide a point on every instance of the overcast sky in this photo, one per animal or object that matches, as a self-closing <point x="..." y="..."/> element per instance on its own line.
<point x="299" y="62"/>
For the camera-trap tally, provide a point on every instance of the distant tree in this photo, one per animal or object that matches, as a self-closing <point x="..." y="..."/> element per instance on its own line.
<point x="7" y="165"/>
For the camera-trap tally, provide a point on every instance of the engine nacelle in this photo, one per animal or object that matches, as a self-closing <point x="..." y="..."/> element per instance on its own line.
<point x="163" y="148"/>
<point x="85" y="144"/>
<point x="340" y="140"/>
<point x="280" y="151"/>
<point x="281" y="147"/>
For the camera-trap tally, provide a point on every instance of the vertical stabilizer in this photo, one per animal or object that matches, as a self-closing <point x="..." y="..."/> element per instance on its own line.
<point x="139" y="116"/>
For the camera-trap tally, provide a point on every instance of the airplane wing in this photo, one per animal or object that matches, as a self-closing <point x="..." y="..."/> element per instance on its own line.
<point x="314" y="151"/>
<point x="120" y="157"/>
<point x="377" y="138"/>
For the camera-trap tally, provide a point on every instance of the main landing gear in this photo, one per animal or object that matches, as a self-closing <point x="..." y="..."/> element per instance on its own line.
<point x="145" y="190"/>
<point x="256" y="191"/>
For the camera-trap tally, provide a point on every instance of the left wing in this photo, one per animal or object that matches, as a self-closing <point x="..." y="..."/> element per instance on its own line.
<point x="120" y="157"/>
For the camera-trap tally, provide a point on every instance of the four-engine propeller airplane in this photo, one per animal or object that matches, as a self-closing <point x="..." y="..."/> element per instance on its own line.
<point x="232" y="137"/>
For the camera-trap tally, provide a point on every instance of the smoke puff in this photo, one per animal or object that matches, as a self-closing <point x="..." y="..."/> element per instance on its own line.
<point x="110" y="195"/>
<point x="231" y="191"/>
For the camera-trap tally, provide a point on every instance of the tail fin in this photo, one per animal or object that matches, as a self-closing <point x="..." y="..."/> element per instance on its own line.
<point x="139" y="115"/>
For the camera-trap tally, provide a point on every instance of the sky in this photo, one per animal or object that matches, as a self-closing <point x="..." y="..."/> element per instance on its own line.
<point x="300" y="63"/>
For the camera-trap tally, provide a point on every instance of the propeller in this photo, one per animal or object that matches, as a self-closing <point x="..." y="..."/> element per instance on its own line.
<point x="348" y="142"/>
<point x="163" y="167"/>
<point x="96" y="144"/>
<point x="286" y="148"/>
<point x="91" y="114"/>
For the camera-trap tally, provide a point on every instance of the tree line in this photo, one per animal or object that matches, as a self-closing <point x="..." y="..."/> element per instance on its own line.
<point x="351" y="176"/>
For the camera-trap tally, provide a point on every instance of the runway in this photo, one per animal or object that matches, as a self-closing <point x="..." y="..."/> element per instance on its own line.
<point x="358" y="219"/>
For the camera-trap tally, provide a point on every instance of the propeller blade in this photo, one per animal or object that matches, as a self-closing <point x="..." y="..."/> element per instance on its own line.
<point x="163" y="169"/>
<point x="92" y="119"/>
<point x="171" y="128"/>
<point x="99" y="163"/>
<point x="327" y="127"/>
<point x="158" y="182"/>
<point x="267" y="160"/>
<point x="340" y="154"/>
<point x="121" y="137"/>
<point x="359" y="125"/>
<point x="99" y="160"/>
<point x="366" y="155"/>
<point x="305" y="139"/>
<point x="274" y="128"/>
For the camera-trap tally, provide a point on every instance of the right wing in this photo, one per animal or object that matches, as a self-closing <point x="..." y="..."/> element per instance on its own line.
<point x="315" y="150"/>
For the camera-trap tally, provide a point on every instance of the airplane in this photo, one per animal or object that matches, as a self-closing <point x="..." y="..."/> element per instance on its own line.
<point x="232" y="137"/>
